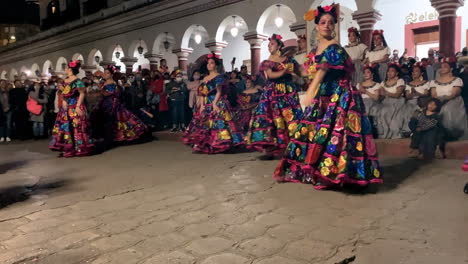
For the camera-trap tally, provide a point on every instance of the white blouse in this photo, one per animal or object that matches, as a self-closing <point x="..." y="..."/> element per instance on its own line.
<point x="372" y="89"/>
<point x="421" y="88"/>
<point x="356" y="52"/>
<point x="446" y="89"/>
<point x="377" y="54"/>
<point x="393" y="88"/>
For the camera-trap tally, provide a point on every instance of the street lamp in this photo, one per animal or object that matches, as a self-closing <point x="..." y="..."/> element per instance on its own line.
<point x="166" y="43"/>
<point x="198" y="37"/>
<point x="234" y="30"/>
<point x="97" y="59"/>
<point x="140" y="49"/>
<point x="279" y="20"/>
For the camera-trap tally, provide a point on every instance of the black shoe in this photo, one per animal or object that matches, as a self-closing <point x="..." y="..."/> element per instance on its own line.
<point x="466" y="188"/>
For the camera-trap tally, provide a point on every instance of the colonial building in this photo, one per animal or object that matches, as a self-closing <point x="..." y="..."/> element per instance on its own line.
<point x="137" y="34"/>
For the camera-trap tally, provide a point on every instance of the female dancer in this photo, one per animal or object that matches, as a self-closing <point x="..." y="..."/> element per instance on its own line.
<point x="356" y="51"/>
<point x="212" y="129"/>
<point x="120" y="124"/>
<point x="392" y="119"/>
<point x="378" y="56"/>
<point x="247" y="100"/>
<point x="371" y="92"/>
<point x="277" y="115"/>
<point x="333" y="143"/>
<point x="71" y="132"/>
<point x="417" y="91"/>
<point x="447" y="88"/>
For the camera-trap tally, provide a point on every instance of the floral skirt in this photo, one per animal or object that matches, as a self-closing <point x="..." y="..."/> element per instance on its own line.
<point x="211" y="132"/>
<point x="128" y="126"/>
<point x="71" y="133"/>
<point x="332" y="144"/>
<point x="275" y="118"/>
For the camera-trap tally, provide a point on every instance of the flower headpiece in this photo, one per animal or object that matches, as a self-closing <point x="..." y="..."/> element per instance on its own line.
<point x="395" y="64"/>
<point x="112" y="68"/>
<point x="275" y="37"/>
<point x="420" y="65"/>
<point x="449" y="60"/>
<point x="73" y="64"/>
<point x="377" y="32"/>
<point x="353" y="29"/>
<point x="312" y="14"/>
<point x="176" y="72"/>
<point x="212" y="55"/>
<point x="303" y="36"/>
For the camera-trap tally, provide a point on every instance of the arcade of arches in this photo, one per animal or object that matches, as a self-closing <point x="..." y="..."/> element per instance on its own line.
<point x="181" y="33"/>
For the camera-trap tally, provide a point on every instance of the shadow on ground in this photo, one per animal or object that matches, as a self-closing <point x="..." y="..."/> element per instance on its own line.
<point x="20" y="193"/>
<point x="5" y="167"/>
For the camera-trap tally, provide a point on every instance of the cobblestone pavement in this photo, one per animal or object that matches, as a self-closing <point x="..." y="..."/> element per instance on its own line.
<point x="159" y="203"/>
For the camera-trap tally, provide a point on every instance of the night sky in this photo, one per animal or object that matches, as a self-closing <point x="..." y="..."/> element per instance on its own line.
<point x="18" y="12"/>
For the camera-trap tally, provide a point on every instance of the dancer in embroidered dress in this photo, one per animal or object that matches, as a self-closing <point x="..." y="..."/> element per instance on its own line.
<point x="378" y="55"/>
<point x="333" y="143"/>
<point x="357" y="52"/>
<point x="276" y="116"/>
<point x="71" y="132"/>
<point x="212" y="129"/>
<point x="120" y="124"/>
<point x="247" y="101"/>
<point x="447" y="88"/>
<point x="392" y="117"/>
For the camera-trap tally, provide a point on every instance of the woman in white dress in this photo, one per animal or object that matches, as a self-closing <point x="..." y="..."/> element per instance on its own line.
<point x="391" y="115"/>
<point x="447" y="88"/>
<point x="371" y="92"/>
<point x="379" y="54"/>
<point x="356" y="51"/>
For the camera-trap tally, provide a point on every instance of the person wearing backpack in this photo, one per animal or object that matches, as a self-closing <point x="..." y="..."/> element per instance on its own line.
<point x="36" y="116"/>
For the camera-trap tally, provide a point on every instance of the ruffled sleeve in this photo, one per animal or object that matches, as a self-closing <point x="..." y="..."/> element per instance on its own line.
<point x="265" y="65"/>
<point x="458" y="83"/>
<point x="333" y="57"/>
<point x="400" y="83"/>
<point x="79" y="85"/>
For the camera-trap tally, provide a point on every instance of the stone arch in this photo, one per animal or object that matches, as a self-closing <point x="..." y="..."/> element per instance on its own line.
<point x="92" y="57"/>
<point x="227" y="24"/>
<point x="158" y="45"/>
<point x="59" y="66"/>
<point x="13" y="74"/>
<point x="133" y="48"/>
<point x="78" y="56"/>
<point x="286" y="13"/>
<point x="112" y="53"/>
<point x="192" y="30"/>
<point x="47" y="67"/>
<point x="35" y="70"/>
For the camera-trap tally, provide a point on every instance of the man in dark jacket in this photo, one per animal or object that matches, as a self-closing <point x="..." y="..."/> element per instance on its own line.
<point x="18" y="98"/>
<point x="176" y="90"/>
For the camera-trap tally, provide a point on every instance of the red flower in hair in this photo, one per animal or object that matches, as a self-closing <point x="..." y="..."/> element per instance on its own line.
<point x="73" y="64"/>
<point x="352" y="29"/>
<point x="276" y="37"/>
<point x="449" y="60"/>
<point x="328" y="8"/>
<point x="377" y="32"/>
<point x="211" y="55"/>
<point x="316" y="12"/>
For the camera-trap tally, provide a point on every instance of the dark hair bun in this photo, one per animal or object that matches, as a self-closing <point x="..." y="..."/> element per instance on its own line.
<point x="330" y="10"/>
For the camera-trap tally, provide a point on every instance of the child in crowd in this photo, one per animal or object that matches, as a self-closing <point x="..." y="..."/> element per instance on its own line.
<point x="427" y="131"/>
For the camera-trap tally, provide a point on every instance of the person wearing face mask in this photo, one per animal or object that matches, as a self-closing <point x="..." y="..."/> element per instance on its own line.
<point x="176" y="90"/>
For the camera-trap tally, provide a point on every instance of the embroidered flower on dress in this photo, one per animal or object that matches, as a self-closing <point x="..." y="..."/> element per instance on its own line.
<point x="325" y="171"/>
<point x="376" y="173"/>
<point x="328" y="162"/>
<point x="359" y="146"/>
<point x="334" y="140"/>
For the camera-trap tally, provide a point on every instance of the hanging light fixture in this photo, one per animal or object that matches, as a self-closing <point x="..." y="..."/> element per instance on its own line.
<point x="279" y="20"/>
<point x="166" y="42"/>
<point x="234" y="30"/>
<point x="64" y="65"/>
<point x="97" y="59"/>
<point x="198" y="37"/>
<point x="140" y="49"/>
<point x="117" y="53"/>
<point x="38" y="73"/>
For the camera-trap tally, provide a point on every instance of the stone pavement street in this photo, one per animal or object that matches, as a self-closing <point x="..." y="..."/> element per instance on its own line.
<point x="159" y="203"/>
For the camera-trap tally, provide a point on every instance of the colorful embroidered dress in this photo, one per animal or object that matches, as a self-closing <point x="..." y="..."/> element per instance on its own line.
<point x="275" y="118"/>
<point x="247" y="102"/>
<point x="211" y="132"/>
<point x="333" y="143"/>
<point x="71" y="132"/>
<point x="126" y="126"/>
